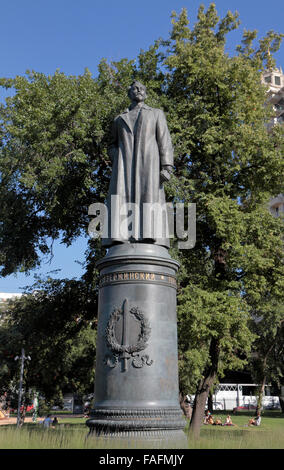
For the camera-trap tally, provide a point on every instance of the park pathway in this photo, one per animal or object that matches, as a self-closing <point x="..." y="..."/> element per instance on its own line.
<point x="29" y="419"/>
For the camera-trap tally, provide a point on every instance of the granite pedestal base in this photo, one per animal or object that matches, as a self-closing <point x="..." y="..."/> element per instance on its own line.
<point x="136" y="381"/>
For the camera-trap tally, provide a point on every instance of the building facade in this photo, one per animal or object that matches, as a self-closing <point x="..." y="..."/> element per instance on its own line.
<point x="275" y="94"/>
<point x="5" y="297"/>
<point x="274" y="79"/>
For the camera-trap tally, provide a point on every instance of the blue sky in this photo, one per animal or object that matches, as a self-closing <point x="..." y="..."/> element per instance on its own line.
<point x="70" y="35"/>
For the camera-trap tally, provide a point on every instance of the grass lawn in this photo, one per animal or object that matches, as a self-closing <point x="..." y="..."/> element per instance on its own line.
<point x="269" y="435"/>
<point x="72" y="431"/>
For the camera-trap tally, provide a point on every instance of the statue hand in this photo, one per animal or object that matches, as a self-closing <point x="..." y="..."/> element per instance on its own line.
<point x="164" y="175"/>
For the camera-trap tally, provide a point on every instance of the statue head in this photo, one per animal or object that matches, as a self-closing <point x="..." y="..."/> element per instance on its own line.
<point x="137" y="92"/>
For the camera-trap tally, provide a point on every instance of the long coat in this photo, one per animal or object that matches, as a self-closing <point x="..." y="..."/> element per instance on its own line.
<point x="138" y="155"/>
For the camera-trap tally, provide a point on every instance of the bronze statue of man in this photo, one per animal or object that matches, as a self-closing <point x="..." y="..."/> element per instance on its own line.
<point x="142" y="159"/>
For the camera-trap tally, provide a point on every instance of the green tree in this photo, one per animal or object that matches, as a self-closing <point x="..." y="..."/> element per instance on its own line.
<point x="228" y="164"/>
<point x="268" y="349"/>
<point x="53" y="159"/>
<point x="55" y="324"/>
<point x="214" y="337"/>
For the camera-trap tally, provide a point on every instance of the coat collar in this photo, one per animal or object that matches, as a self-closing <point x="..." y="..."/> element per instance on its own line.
<point x="144" y="106"/>
<point x="125" y="116"/>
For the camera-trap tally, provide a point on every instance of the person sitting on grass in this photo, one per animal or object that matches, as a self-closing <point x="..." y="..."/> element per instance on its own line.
<point x="210" y="420"/>
<point x="207" y="417"/>
<point x="217" y="422"/>
<point x="228" y="421"/>
<point x="255" y="421"/>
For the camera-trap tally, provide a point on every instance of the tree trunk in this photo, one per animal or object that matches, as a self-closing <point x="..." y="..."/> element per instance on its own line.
<point x="260" y="396"/>
<point x="263" y="380"/>
<point x="203" y="389"/>
<point x="281" y="401"/>
<point x="210" y="401"/>
<point x="23" y="414"/>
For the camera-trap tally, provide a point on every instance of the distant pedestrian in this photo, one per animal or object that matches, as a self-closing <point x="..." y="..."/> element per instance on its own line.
<point x="55" y="422"/>
<point x="47" y="421"/>
<point x="185" y="406"/>
<point x="87" y="409"/>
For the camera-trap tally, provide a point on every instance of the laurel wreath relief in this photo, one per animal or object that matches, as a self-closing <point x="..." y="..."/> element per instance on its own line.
<point x="131" y="349"/>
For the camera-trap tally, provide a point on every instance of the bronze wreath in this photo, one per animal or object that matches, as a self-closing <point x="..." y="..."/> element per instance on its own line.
<point x="142" y="338"/>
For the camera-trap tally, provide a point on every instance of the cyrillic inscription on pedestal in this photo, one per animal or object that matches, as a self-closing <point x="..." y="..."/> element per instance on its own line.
<point x="130" y="276"/>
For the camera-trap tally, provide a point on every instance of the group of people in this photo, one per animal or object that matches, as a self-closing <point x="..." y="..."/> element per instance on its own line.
<point x="48" y="422"/>
<point x="208" y="419"/>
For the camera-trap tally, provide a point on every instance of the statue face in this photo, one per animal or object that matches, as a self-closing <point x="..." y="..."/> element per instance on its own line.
<point x="137" y="92"/>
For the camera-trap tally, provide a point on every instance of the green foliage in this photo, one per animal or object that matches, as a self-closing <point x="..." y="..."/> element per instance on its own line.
<point x="229" y="165"/>
<point x="55" y="325"/>
<point x="267" y="360"/>
<point x="53" y="159"/>
<point x="204" y="314"/>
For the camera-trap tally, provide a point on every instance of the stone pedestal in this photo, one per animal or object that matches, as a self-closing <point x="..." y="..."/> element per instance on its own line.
<point x="136" y="381"/>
